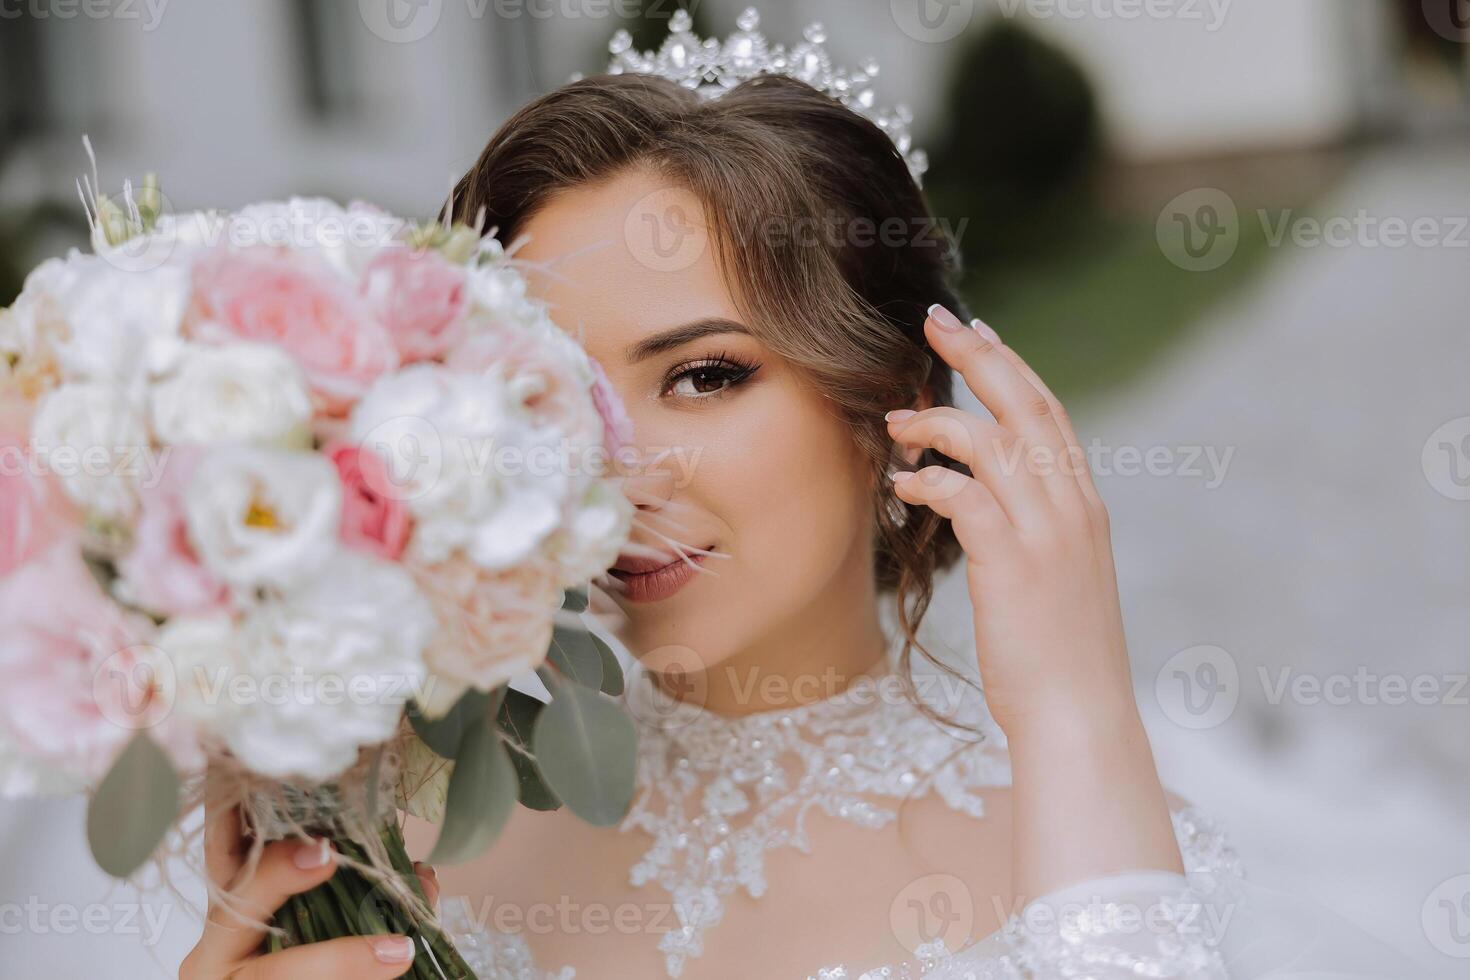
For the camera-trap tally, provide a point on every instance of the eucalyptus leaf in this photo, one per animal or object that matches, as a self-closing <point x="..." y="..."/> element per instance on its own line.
<point x="443" y="735"/>
<point x="517" y="719"/>
<point x="574" y="600"/>
<point x="482" y="790"/>
<point x="133" y="808"/>
<point x="585" y="746"/>
<point x="612" y="671"/>
<point x="574" y="653"/>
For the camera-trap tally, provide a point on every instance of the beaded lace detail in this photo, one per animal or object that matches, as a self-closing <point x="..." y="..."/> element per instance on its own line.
<point x="717" y="793"/>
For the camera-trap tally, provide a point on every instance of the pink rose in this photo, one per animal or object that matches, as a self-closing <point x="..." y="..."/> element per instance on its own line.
<point x="372" y="521"/>
<point x="34" y="512"/>
<point x="420" y="298"/>
<point x="80" y="676"/>
<point x="314" y="315"/>
<point x="537" y="374"/>
<point x="492" y="626"/>
<point x="617" y="427"/>
<point x="161" y="572"/>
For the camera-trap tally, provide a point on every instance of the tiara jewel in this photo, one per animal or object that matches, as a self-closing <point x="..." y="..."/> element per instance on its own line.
<point x="712" y="68"/>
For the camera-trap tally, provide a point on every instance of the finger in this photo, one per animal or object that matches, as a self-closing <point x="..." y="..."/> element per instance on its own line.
<point x="223" y="842"/>
<point x="1001" y="388"/>
<point x="1078" y="461"/>
<point x="286" y="868"/>
<point x="991" y="452"/>
<point x="372" y="957"/>
<point x="979" y="521"/>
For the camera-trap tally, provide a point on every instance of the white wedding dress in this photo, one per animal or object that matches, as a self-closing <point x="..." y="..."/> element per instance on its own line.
<point x="717" y="796"/>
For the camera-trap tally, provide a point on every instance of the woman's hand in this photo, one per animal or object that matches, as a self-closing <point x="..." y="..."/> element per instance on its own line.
<point x="1048" y="625"/>
<point x="1039" y="561"/>
<point x="229" y="946"/>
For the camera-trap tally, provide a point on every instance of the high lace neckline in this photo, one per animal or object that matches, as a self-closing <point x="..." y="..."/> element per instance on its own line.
<point x="717" y="792"/>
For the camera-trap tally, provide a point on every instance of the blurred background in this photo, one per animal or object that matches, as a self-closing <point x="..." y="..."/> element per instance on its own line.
<point x="1234" y="235"/>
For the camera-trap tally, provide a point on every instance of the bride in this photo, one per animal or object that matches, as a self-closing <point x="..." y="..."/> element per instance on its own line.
<point x="821" y="792"/>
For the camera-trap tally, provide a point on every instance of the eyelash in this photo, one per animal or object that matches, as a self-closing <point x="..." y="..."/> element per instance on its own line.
<point x="732" y="370"/>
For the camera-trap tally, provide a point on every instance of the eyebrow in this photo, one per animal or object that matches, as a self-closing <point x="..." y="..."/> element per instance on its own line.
<point x="660" y="343"/>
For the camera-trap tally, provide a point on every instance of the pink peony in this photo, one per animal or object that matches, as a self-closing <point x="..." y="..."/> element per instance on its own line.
<point x="421" y="299"/>
<point x="372" y="522"/>
<point x="34" y="513"/>
<point x="492" y="625"/>
<point x="161" y="572"/>
<point x="313" y="315"/>
<point x="80" y="676"/>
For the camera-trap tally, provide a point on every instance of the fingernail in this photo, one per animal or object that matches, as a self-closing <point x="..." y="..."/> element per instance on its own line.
<point x="427" y="870"/>
<point x="902" y="475"/>
<point x="984" y="329"/>
<point x="944" y="318"/>
<point x="899" y="414"/>
<point x="391" y="949"/>
<point x="312" y="854"/>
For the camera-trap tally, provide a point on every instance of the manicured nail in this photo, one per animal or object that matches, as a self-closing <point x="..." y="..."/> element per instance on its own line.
<point x="944" y="318"/>
<point x="902" y="475"/>
<point x="899" y="414"/>
<point x="312" y="854"/>
<point x="984" y="329"/>
<point x="392" y="949"/>
<point x="427" y="870"/>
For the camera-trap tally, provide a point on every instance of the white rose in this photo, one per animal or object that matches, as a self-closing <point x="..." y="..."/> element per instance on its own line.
<point x="120" y="323"/>
<point x="94" y="438"/>
<point x="236" y="393"/>
<point x="345" y="238"/>
<point x="590" y="542"/>
<point x="263" y="517"/>
<point x="443" y="434"/>
<point x="326" y="669"/>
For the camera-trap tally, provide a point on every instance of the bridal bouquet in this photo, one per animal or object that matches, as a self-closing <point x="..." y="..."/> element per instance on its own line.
<point x="287" y="496"/>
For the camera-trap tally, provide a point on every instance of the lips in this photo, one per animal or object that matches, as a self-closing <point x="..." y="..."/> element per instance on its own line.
<point x="651" y="579"/>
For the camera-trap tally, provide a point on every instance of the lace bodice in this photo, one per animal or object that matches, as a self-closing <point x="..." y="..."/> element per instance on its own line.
<point x="715" y="795"/>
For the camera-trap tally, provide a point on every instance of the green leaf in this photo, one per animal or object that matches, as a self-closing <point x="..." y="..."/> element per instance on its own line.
<point x="574" y="600"/>
<point x="443" y="735"/>
<point x="482" y="790"/>
<point x="612" y="671"/>
<point x="574" y="653"/>
<point x="133" y="808"/>
<point x="517" y="719"/>
<point x="586" y="746"/>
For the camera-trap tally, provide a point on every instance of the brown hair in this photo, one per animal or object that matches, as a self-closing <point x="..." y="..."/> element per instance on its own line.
<point x="776" y="151"/>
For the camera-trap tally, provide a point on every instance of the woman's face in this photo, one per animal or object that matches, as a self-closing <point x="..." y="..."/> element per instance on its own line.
<point x="741" y="457"/>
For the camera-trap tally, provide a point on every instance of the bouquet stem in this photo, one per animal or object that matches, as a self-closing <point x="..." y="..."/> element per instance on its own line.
<point x="348" y="904"/>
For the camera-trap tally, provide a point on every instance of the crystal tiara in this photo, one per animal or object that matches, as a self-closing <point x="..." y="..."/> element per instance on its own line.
<point x="711" y="68"/>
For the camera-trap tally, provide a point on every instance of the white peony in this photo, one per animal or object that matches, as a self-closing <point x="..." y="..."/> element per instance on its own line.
<point x="236" y="393"/>
<point x="94" y="438"/>
<point x="599" y="526"/>
<point x="463" y="457"/>
<point x="263" y="517"/>
<point x="312" y="677"/>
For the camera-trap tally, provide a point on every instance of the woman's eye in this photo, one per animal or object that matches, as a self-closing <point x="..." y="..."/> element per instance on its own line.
<point x="707" y="380"/>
